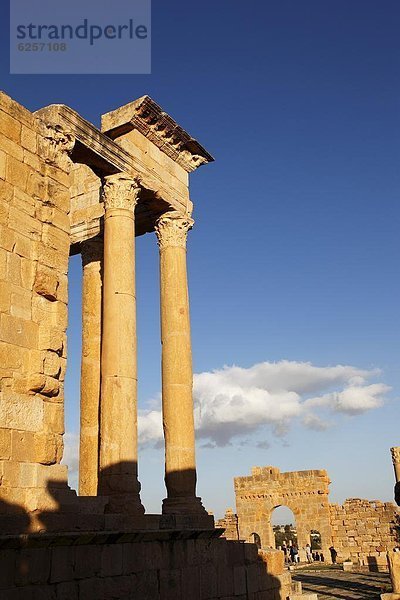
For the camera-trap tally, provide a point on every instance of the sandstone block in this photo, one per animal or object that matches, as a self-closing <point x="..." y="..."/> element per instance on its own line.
<point x="21" y="303"/>
<point x="5" y="296"/>
<point x="239" y="580"/>
<point x="62" y="564"/>
<point x="5" y="444"/>
<point x="10" y="127"/>
<point x="3" y="261"/>
<point x="46" y="282"/>
<point x="2" y="164"/>
<point x="32" y="160"/>
<point x="48" y="448"/>
<point x="17" y="173"/>
<point x="19" y="332"/>
<point x="29" y="139"/>
<point x="11" y="148"/>
<point x="53" y="258"/>
<point x="53" y="417"/>
<point x="274" y="561"/>
<point x="36" y="186"/>
<point x="14" y="268"/>
<point x="50" y="338"/>
<point x="6" y="238"/>
<point x="21" y="412"/>
<point x="23" y="223"/>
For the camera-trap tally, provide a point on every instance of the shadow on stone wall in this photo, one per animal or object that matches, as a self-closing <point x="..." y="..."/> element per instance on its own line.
<point x="68" y="560"/>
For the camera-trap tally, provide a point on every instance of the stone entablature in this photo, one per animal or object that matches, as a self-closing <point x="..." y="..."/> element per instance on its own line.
<point x="153" y="123"/>
<point x="161" y="161"/>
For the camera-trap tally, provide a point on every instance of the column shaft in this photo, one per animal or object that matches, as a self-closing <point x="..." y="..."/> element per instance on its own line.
<point x="177" y="375"/>
<point x="92" y="258"/>
<point x="118" y="437"/>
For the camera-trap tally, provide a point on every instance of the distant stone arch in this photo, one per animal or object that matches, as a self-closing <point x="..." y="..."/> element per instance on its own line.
<point x="255" y="539"/>
<point x="305" y="493"/>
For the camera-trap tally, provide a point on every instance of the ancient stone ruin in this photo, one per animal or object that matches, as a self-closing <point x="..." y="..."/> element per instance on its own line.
<point x="68" y="188"/>
<point x="360" y="530"/>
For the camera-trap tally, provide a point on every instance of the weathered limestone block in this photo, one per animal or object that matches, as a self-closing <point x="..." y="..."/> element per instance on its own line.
<point x="46" y="282"/>
<point x="394" y="569"/>
<point x="21" y="412"/>
<point x="274" y="561"/>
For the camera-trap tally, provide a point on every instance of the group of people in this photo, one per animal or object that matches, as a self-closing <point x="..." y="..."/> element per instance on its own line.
<point x="292" y="554"/>
<point x="314" y="556"/>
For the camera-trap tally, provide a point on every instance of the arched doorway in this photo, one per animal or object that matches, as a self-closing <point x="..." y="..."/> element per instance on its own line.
<point x="283" y="522"/>
<point x="255" y="539"/>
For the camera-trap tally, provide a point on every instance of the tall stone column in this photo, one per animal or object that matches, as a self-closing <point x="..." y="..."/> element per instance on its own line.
<point x="396" y="461"/>
<point x="177" y="376"/>
<point x="396" y="465"/>
<point x="92" y="258"/>
<point x="118" y="405"/>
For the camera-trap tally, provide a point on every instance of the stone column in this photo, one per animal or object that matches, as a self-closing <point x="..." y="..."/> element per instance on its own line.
<point x="396" y="465"/>
<point x="396" y="461"/>
<point x="92" y="258"/>
<point x="177" y="377"/>
<point x="118" y="405"/>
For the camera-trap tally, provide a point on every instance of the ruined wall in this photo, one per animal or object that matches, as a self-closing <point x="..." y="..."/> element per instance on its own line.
<point x="34" y="252"/>
<point x="109" y="566"/>
<point x="304" y="492"/>
<point x="364" y="531"/>
<point x="361" y="530"/>
<point x="230" y="523"/>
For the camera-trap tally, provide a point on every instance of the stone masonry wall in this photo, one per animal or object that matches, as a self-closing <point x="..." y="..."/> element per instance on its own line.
<point x="34" y="252"/>
<point x="304" y="492"/>
<point x="131" y="566"/>
<point x="364" y="531"/>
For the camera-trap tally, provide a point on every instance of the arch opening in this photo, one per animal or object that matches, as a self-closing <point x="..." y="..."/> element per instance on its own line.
<point x="284" y="528"/>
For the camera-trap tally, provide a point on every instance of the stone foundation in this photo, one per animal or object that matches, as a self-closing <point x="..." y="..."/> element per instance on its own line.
<point x="135" y="566"/>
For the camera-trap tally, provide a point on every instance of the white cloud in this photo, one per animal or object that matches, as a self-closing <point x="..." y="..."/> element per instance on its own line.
<point x="235" y="401"/>
<point x="71" y="458"/>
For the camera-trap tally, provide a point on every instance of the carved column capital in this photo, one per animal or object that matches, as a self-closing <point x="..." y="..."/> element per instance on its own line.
<point x="172" y="229"/>
<point x="56" y="145"/>
<point x="120" y="191"/>
<point x="395" y="454"/>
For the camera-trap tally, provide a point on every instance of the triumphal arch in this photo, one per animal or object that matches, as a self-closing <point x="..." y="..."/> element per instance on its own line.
<point x="67" y="188"/>
<point x="267" y="488"/>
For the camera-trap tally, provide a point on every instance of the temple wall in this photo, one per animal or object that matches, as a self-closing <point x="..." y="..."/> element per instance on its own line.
<point x="34" y="252"/>
<point x="109" y="566"/>
<point x="364" y="531"/>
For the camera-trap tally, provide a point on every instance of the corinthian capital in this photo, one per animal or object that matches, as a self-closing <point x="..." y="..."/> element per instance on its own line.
<point x="55" y="145"/>
<point x="395" y="454"/>
<point x="120" y="191"/>
<point x="172" y="228"/>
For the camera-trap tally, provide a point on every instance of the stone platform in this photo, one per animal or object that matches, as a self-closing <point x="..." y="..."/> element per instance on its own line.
<point x="144" y="565"/>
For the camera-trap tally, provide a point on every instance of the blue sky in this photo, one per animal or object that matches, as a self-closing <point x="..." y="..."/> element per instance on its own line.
<point x="295" y="251"/>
